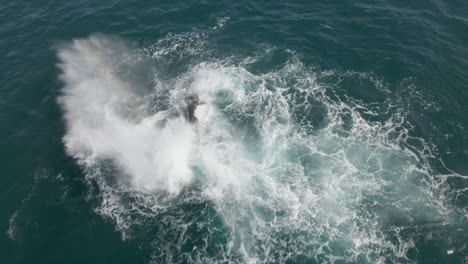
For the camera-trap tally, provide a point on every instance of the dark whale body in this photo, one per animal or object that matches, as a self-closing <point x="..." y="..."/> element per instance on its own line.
<point x="191" y="103"/>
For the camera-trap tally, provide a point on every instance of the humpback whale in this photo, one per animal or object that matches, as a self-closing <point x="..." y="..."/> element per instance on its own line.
<point x="191" y="103"/>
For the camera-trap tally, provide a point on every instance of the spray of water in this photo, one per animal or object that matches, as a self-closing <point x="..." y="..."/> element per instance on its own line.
<point x="282" y="166"/>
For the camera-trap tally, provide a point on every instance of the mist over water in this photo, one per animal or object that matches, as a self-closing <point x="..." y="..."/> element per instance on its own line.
<point x="284" y="165"/>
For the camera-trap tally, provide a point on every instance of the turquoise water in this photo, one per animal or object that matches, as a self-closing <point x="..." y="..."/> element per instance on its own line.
<point x="329" y="132"/>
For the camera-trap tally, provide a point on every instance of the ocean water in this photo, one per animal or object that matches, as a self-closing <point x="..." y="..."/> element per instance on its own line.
<point x="329" y="132"/>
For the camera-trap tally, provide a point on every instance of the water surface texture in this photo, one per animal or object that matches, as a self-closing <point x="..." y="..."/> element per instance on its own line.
<point x="328" y="132"/>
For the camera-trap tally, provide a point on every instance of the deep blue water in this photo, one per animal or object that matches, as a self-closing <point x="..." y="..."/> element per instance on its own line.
<point x="329" y="132"/>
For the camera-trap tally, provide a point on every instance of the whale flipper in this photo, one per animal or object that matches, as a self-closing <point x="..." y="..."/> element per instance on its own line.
<point x="191" y="102"/>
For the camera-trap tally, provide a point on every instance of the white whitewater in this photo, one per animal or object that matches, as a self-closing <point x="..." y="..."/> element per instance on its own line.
<point x="326" y="191"/>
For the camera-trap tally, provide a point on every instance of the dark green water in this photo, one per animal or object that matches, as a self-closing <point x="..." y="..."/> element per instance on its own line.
<point x="330" y="132"/>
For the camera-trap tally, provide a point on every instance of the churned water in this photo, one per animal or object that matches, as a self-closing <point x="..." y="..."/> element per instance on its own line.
<point x="327" y="132"/>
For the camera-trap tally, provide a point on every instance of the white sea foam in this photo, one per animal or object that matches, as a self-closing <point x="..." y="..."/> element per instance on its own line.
<point x="220" y="22"/>
<point x="291" y="167"/>
<point x="11" y="232"/>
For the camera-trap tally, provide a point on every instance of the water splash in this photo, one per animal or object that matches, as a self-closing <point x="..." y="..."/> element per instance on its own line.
<point x="286" y="165"/>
